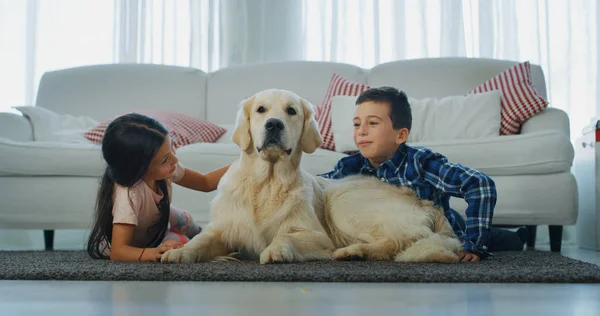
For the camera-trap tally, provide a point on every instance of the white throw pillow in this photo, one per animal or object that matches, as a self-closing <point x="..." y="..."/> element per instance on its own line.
<point x="450" y="118"/>
<point x="342" y="125"/>
<point x="456" y="117"/>
<point x="51" y="126"/>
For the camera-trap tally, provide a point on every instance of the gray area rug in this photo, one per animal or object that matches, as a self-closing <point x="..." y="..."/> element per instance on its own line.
<point x="504" y="267"/>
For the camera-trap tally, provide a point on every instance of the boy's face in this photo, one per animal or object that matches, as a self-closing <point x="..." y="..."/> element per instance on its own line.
<point x="373" y="132"/>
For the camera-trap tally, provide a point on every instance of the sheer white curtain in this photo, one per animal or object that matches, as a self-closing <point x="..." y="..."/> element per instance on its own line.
<point x="38" y="36"/>
<point x="255" y="31"/>
<point x="561" y="36"/>
<point x="183" y="33"/>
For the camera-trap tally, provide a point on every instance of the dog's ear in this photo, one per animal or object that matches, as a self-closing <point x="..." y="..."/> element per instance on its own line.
<point x="241" y="136"/>
<point x="311" y="138"/>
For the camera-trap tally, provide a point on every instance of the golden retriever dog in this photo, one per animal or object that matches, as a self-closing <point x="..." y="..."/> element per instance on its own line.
<point x="265" y="205"/>
<point x="268" y="208"/>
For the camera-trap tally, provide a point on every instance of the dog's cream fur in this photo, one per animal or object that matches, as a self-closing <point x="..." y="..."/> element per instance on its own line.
<point x="268" y="208"/>
<point x="370" y="219"/>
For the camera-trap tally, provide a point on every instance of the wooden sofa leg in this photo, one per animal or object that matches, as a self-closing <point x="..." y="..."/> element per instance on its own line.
<point x="49" y="239"/>
<point x="531" y="238"/>
<point x="555" y="237"/>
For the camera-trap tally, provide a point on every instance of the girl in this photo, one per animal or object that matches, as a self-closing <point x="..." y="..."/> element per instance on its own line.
<point x="134" y="219"/>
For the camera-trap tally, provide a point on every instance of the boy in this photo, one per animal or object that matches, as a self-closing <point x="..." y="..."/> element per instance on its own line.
<point x="382" y="123"/>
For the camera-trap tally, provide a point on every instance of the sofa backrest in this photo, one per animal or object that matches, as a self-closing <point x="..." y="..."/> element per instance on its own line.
<point x="442" y="77"/>
<point x="102" y="91"/>
<point x="309" y="79"/>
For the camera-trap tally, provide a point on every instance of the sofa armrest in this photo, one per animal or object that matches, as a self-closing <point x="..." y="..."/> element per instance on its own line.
<point x="15" y="127"/>
<point x="550" y="118"/>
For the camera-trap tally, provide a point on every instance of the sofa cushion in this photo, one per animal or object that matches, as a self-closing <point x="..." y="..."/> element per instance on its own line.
<point x="449" y="118"/>
<point x="522" y="84"/>
<point x="547" y="151"/>
<point x="520" y="100"/>
<point x="207" y="157"/>
<point x="308" y="79"/>
<point x="184" y="129"/>
<point x="455" y="117"/>
<point x="544" y="199"/>
<point x="442" y="77"/>
<point x="64" y="159"/>
<point x="50" y="158"/>
<point x="103" y="91"/>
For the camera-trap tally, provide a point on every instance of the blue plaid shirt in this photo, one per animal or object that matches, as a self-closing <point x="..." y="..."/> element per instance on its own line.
<point x="433" y="178"/>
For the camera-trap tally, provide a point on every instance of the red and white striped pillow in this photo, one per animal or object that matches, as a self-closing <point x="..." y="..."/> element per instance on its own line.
<point x="520" y="100"/>
<point x="184" y="129"/>
<point x="337" y="86"/>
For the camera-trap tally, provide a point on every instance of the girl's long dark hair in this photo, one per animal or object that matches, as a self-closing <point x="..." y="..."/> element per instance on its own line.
<point x="128" y="146"/>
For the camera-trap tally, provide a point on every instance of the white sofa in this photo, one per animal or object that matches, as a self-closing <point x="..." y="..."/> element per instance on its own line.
<point x="52" y="185"/>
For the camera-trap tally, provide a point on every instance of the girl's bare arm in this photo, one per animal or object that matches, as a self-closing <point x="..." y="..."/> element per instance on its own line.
<point x="202" y="182"/>
<point x="121" y="250"/>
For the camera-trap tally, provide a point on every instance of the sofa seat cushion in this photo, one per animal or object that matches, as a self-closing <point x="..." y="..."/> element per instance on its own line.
<point x="80" y="159"/>
<point x="50" y="158"/>
<point x="207" y="157"/>
<point x="541" y="152"/>
<point x="523" y="201"/>
<point x="534" y="153"/>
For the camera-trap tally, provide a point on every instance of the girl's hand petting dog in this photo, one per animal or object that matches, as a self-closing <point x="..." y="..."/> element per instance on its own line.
<point x="467" y="256"/>
<point x="164" y="247"/>
<point x="172" y="243"/>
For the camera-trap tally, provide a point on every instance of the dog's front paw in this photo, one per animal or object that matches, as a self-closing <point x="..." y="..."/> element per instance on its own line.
<point x="351" y="252"/>
<point x="275" y="254"/>
<point x="180" y="255"/>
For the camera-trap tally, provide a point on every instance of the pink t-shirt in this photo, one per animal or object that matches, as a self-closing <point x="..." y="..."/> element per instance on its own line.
<point x="138" y="206"/>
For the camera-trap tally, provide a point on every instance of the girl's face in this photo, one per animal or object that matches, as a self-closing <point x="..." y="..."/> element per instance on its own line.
<point x="163" y="163"/>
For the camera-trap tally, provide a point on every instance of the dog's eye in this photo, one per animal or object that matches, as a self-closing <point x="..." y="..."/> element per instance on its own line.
<point x="261" y="109"/>
<point x="291" y="111"/>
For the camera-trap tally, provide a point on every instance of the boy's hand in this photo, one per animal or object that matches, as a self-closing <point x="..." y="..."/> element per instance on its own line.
<point x="467" y="256"/>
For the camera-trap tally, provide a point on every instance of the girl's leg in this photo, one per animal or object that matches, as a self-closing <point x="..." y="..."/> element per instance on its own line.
<point x="182" y="223"/>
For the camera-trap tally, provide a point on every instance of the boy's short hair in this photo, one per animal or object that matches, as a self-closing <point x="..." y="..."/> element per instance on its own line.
<point x="400" y="112"/>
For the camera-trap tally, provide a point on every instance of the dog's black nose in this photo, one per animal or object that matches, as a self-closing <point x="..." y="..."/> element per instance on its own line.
<point x="274" y="124"/>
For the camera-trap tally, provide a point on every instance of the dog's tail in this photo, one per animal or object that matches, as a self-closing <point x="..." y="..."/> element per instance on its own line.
<point x="230" y="257"/>
<point x="434" y="248"/>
